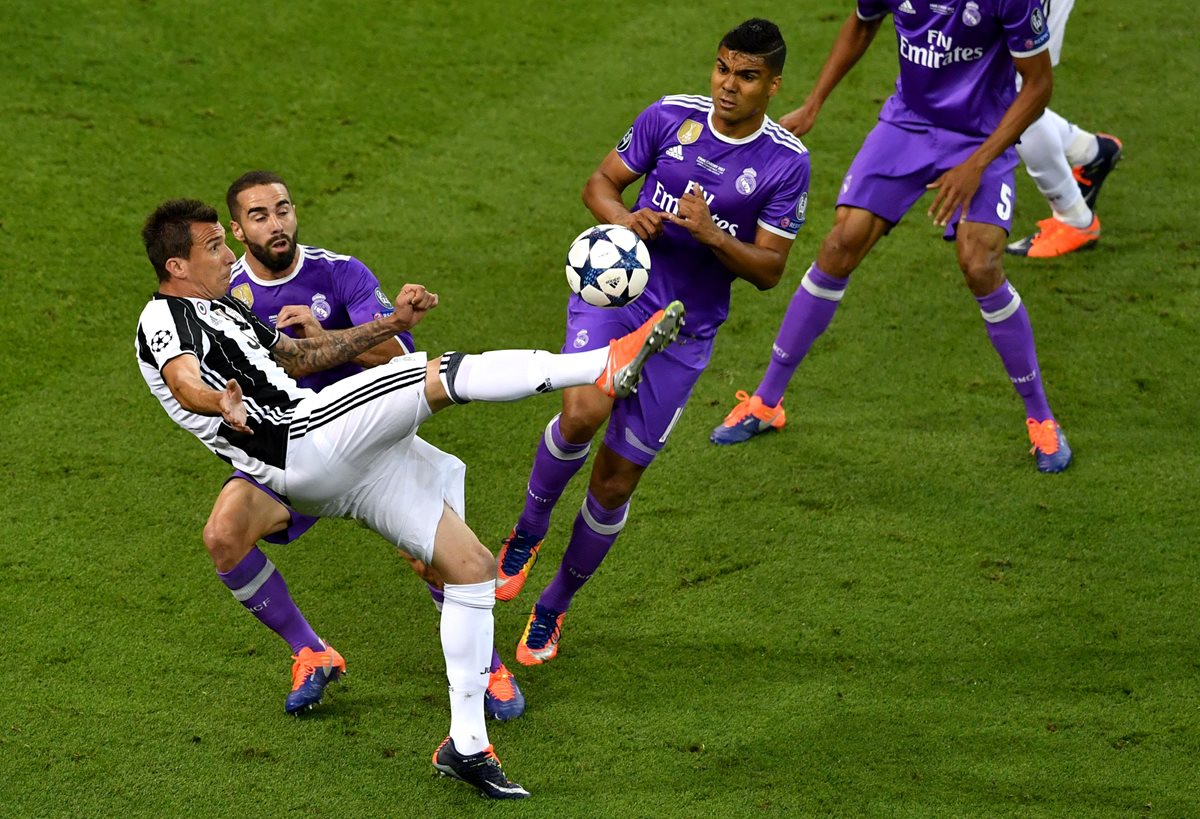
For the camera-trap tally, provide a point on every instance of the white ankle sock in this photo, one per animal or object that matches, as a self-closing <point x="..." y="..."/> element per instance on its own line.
<point x="1083" y="147"/>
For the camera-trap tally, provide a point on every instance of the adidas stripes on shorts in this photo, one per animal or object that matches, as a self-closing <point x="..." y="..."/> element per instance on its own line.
<point x="353" y="452"/>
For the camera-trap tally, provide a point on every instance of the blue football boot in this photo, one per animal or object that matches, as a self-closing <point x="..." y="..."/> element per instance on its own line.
<point x="1050" y="445"/>
<point x="311" y="672"/>
<point x="749" y="418"/>
<point x="503" y="700"/>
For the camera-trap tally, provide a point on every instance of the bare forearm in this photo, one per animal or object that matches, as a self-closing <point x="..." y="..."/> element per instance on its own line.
<point x="380" y="353"/>
<point x="191" y="393"/>
<point x="1031" y="101"/>
<point x="852" y="42"/>
<point x="603" y="199"/>
<point x="1037" y="84"/>
<point x="309" y="355"/>
<point x="761" y="266"/>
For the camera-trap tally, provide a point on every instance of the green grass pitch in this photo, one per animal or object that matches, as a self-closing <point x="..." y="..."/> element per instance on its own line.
<point x="882" y="611"/>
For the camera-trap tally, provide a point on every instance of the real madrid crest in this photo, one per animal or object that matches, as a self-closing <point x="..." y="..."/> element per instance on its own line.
<point x="320" y="307"/>
<point x="244" y="294"/>
<point x="689" y="132"/>
<point x="747" y="182"/>
<point x="971" y="15"/>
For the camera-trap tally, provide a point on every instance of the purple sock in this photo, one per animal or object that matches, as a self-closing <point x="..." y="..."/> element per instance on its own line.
<point x="439" y="597"/>
<point x="556" y="462"/>
<point x="1011" y="334"/>
<point x="594" y="533"/>
<point x="259" y="586"/>
<point x="809" y="313"/>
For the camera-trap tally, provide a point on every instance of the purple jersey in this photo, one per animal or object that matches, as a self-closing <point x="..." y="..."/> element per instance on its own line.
<point x="759" y="181"/>
<point x="956" y="68"/>
<point x="340" y="290"/>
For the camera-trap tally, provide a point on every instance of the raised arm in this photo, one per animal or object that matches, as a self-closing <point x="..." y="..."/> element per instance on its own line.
<point x="852" y="42"/>
<point x="308" y="355"/>
<point x="300" y="317"/>
<point x="602" y="195"/>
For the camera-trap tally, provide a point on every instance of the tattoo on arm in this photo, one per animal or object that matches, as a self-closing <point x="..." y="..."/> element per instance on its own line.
<point x="301" y="356"/>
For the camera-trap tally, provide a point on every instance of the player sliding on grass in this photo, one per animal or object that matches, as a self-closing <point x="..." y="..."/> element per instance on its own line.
<point x="950" y="127"/>
<point x="723" y="197"/>
<point x="351" y="450"/>
<point x="303" y="290"/>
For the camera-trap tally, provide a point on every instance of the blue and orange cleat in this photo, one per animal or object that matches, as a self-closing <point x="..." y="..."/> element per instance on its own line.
<point x="539" y="643"/>
<point x="749" y="418"/>
<point x="628" y="354"/>
<point x="1050" y="445"/>
<point x="481" y="771"/>
<point x="518" y="553"/>
<point x="503" y="700"/>
<point x="1091" y="176"/>
<point x="311" y="672"/>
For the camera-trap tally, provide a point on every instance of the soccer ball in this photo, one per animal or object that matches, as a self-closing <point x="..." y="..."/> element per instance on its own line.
<point x="608" y="266"/>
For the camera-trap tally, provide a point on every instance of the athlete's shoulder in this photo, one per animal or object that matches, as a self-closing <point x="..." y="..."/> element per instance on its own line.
<point x="682" y="104"/>
<point x="784" y="138"/>
<point x="323" y="255"/>
<point x="240" y="271"/>
<point x="163" y="309"/>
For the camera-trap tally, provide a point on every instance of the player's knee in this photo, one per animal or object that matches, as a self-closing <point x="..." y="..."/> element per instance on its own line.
<point x="841" y="251"/>
<point x="578" y="429"/>
<point x="477" y="565"/>
<point x="613" y="490"/>
<point x="226" y="544"/>
<point x="982" y="268"/>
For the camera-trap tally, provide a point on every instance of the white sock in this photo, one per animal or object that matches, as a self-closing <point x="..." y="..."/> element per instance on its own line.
<point x="467" y="629"/>
<point x="1082" y="147"/>
<point x="1078" y="215"/>
<point x="1043" y="149"/>
<point x="508" y="375"/>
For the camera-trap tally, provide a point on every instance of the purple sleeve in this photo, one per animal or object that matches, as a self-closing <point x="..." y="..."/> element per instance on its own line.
<point x="783" y="214"/>
<point x="1025" y="27"/>
<point x="639" y="147"/>
<point x="365" y="300"/>
<point x="360" y="292"/>
<point x="871" y="9"/>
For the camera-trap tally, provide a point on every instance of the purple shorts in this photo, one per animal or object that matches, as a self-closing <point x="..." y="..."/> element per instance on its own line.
<point x="894" y="165"/>
<point x="298" y="525"/>
<point x="640" y="424"/>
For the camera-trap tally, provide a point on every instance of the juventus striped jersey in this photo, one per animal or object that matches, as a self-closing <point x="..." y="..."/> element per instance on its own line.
<point x="229" y="341"/>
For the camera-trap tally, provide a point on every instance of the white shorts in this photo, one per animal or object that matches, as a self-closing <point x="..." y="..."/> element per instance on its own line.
<point x="353" y="452"/>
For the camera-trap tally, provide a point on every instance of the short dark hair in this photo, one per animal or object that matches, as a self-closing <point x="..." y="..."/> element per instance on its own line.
<point x="248" y="180"/>
<point x="168" y="231"/>
<point x="761" y="38"/>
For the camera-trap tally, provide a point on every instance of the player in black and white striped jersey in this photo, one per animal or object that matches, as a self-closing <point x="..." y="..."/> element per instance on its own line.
<point x="351" y="450"/>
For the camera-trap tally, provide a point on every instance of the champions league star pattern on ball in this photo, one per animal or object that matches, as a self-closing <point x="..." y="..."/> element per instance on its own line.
<point x="608" y="266"/>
